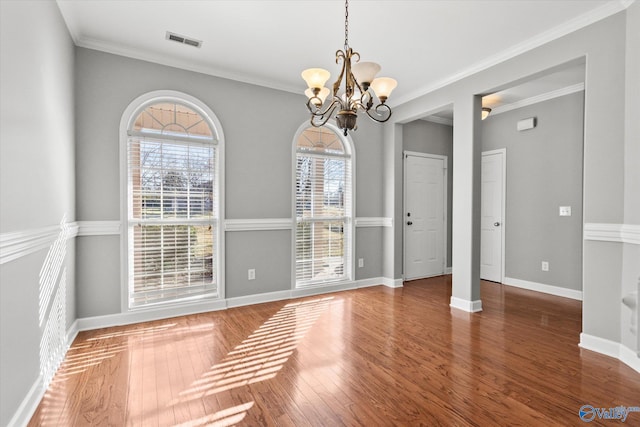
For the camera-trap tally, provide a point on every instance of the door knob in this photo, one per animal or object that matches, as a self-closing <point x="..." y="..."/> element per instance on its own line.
<point x="409" y="222"/>
<point x="496" y="224"/>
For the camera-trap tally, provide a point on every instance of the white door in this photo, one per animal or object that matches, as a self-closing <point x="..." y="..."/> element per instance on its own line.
<point x="424" y="216"/>
<point x="492" y="221"/>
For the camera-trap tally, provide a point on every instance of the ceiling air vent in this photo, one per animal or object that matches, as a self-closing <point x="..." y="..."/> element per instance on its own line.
<point x="182" y="39"/>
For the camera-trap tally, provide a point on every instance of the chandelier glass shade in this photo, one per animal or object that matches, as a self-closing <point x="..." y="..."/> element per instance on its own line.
<point x="362" y="91"/>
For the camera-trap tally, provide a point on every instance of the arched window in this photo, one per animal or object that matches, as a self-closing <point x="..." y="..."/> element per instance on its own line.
<point x="173" y="170"/>
<point x="323" y="196"/>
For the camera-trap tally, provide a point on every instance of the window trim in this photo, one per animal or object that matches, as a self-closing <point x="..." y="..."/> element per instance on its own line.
<point x="129" y="115"/>
<point x="351" y="153"/>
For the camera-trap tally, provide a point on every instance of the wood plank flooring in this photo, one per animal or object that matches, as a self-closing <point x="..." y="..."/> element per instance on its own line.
<point x="371" y="357"/>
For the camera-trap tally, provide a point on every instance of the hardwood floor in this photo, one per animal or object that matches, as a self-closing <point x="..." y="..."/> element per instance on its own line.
<point x="375" y="356"/>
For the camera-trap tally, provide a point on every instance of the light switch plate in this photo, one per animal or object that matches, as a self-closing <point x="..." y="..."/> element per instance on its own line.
<point x="565" y="210"/>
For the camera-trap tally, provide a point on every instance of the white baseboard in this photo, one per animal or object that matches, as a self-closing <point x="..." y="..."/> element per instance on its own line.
<point x="391" y="283"/>
<point x="72" y="333"/>
<point x="375" y="281"/>
<point x="462" y="304"/>
<point x="612" y="349"/>
<point x="29" y="404"/>
<point x="31" y="401"/>
<point x="304" y="292"/>
<point x="149" y="314"/>
<point x="540" y="287"/>
<point x="362" y="283"/>
<point x="630" y="357"/>
<point x="448" y="270"/>
<point x="325" y="289"/>
<point x="159" y="313"/>
<point x="600" y="345"/>
<point x="258" y="299"/>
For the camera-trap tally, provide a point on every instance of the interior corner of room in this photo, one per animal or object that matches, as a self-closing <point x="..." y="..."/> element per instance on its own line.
<point x="539" y="194"/>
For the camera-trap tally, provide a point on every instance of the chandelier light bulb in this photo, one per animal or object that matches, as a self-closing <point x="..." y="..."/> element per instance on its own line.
<point x="324" y="92"/>
<point x="383" y="86"/>
<point x="315" y="77"/>
<point x="365" y="72"/>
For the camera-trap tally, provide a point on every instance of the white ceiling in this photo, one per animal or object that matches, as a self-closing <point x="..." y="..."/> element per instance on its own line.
<point x="422" y="44"/>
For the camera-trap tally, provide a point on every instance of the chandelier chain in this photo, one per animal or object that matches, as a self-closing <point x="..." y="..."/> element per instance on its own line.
<point x="355" y="97"/>
<point x="346" y="25"/>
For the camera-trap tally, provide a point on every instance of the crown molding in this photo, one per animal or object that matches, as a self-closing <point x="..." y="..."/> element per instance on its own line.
<point x="115" y="49"/>
<point x="538" y="98"/>
<point x="568" y="27"/>
<point x="575" y="24"/>
<point x="519" y="104"/>
<point x="438" y="120"/>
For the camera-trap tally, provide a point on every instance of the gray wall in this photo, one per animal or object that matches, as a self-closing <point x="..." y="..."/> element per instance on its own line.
<point x="369" y="197"/>
<point x="632" y="124"/>
<point x="36" y="182"/>
<point x="433" y="138"/>
<point x="37" y="132"/>
<point x="544" y="172"/>
<point x="259" y="125"/>
<point x="602" y="44"/>
<point x="631" y="264"/>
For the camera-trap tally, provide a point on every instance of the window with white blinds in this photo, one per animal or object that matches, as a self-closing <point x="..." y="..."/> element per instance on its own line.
<point x="323" y="208"/>
<point x="172" y="205"/>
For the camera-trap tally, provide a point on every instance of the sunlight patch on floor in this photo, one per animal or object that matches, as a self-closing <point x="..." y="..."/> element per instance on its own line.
<point x="258" y="358"/>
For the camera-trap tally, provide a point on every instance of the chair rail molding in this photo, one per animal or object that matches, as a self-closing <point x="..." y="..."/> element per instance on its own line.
<point x="374" y="222"/>
<point x="266" y="224"/>
<point x="98" y="228"/>
<point x="260" y="224"/>
<point x="620" y="233"/>
<point x="16" y="244"/>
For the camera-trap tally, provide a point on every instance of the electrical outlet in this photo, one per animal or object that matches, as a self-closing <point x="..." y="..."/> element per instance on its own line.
<point x="545" y="266"/>
<point x="360" y="262"/>
<point x="565" y="210"/>
<point x="251" y="274"/>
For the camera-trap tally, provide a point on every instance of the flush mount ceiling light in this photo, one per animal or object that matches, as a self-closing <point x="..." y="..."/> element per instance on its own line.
<point x="355" y="96"/>
<point x="485" y="112"/>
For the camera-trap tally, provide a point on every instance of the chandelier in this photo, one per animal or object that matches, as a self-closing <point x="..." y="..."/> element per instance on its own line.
<point x="356" y="96"/>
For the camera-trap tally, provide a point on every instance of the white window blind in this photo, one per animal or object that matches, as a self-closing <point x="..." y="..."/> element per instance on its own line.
<point x="323" y="208"/>
<point x="173" y="224"/>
